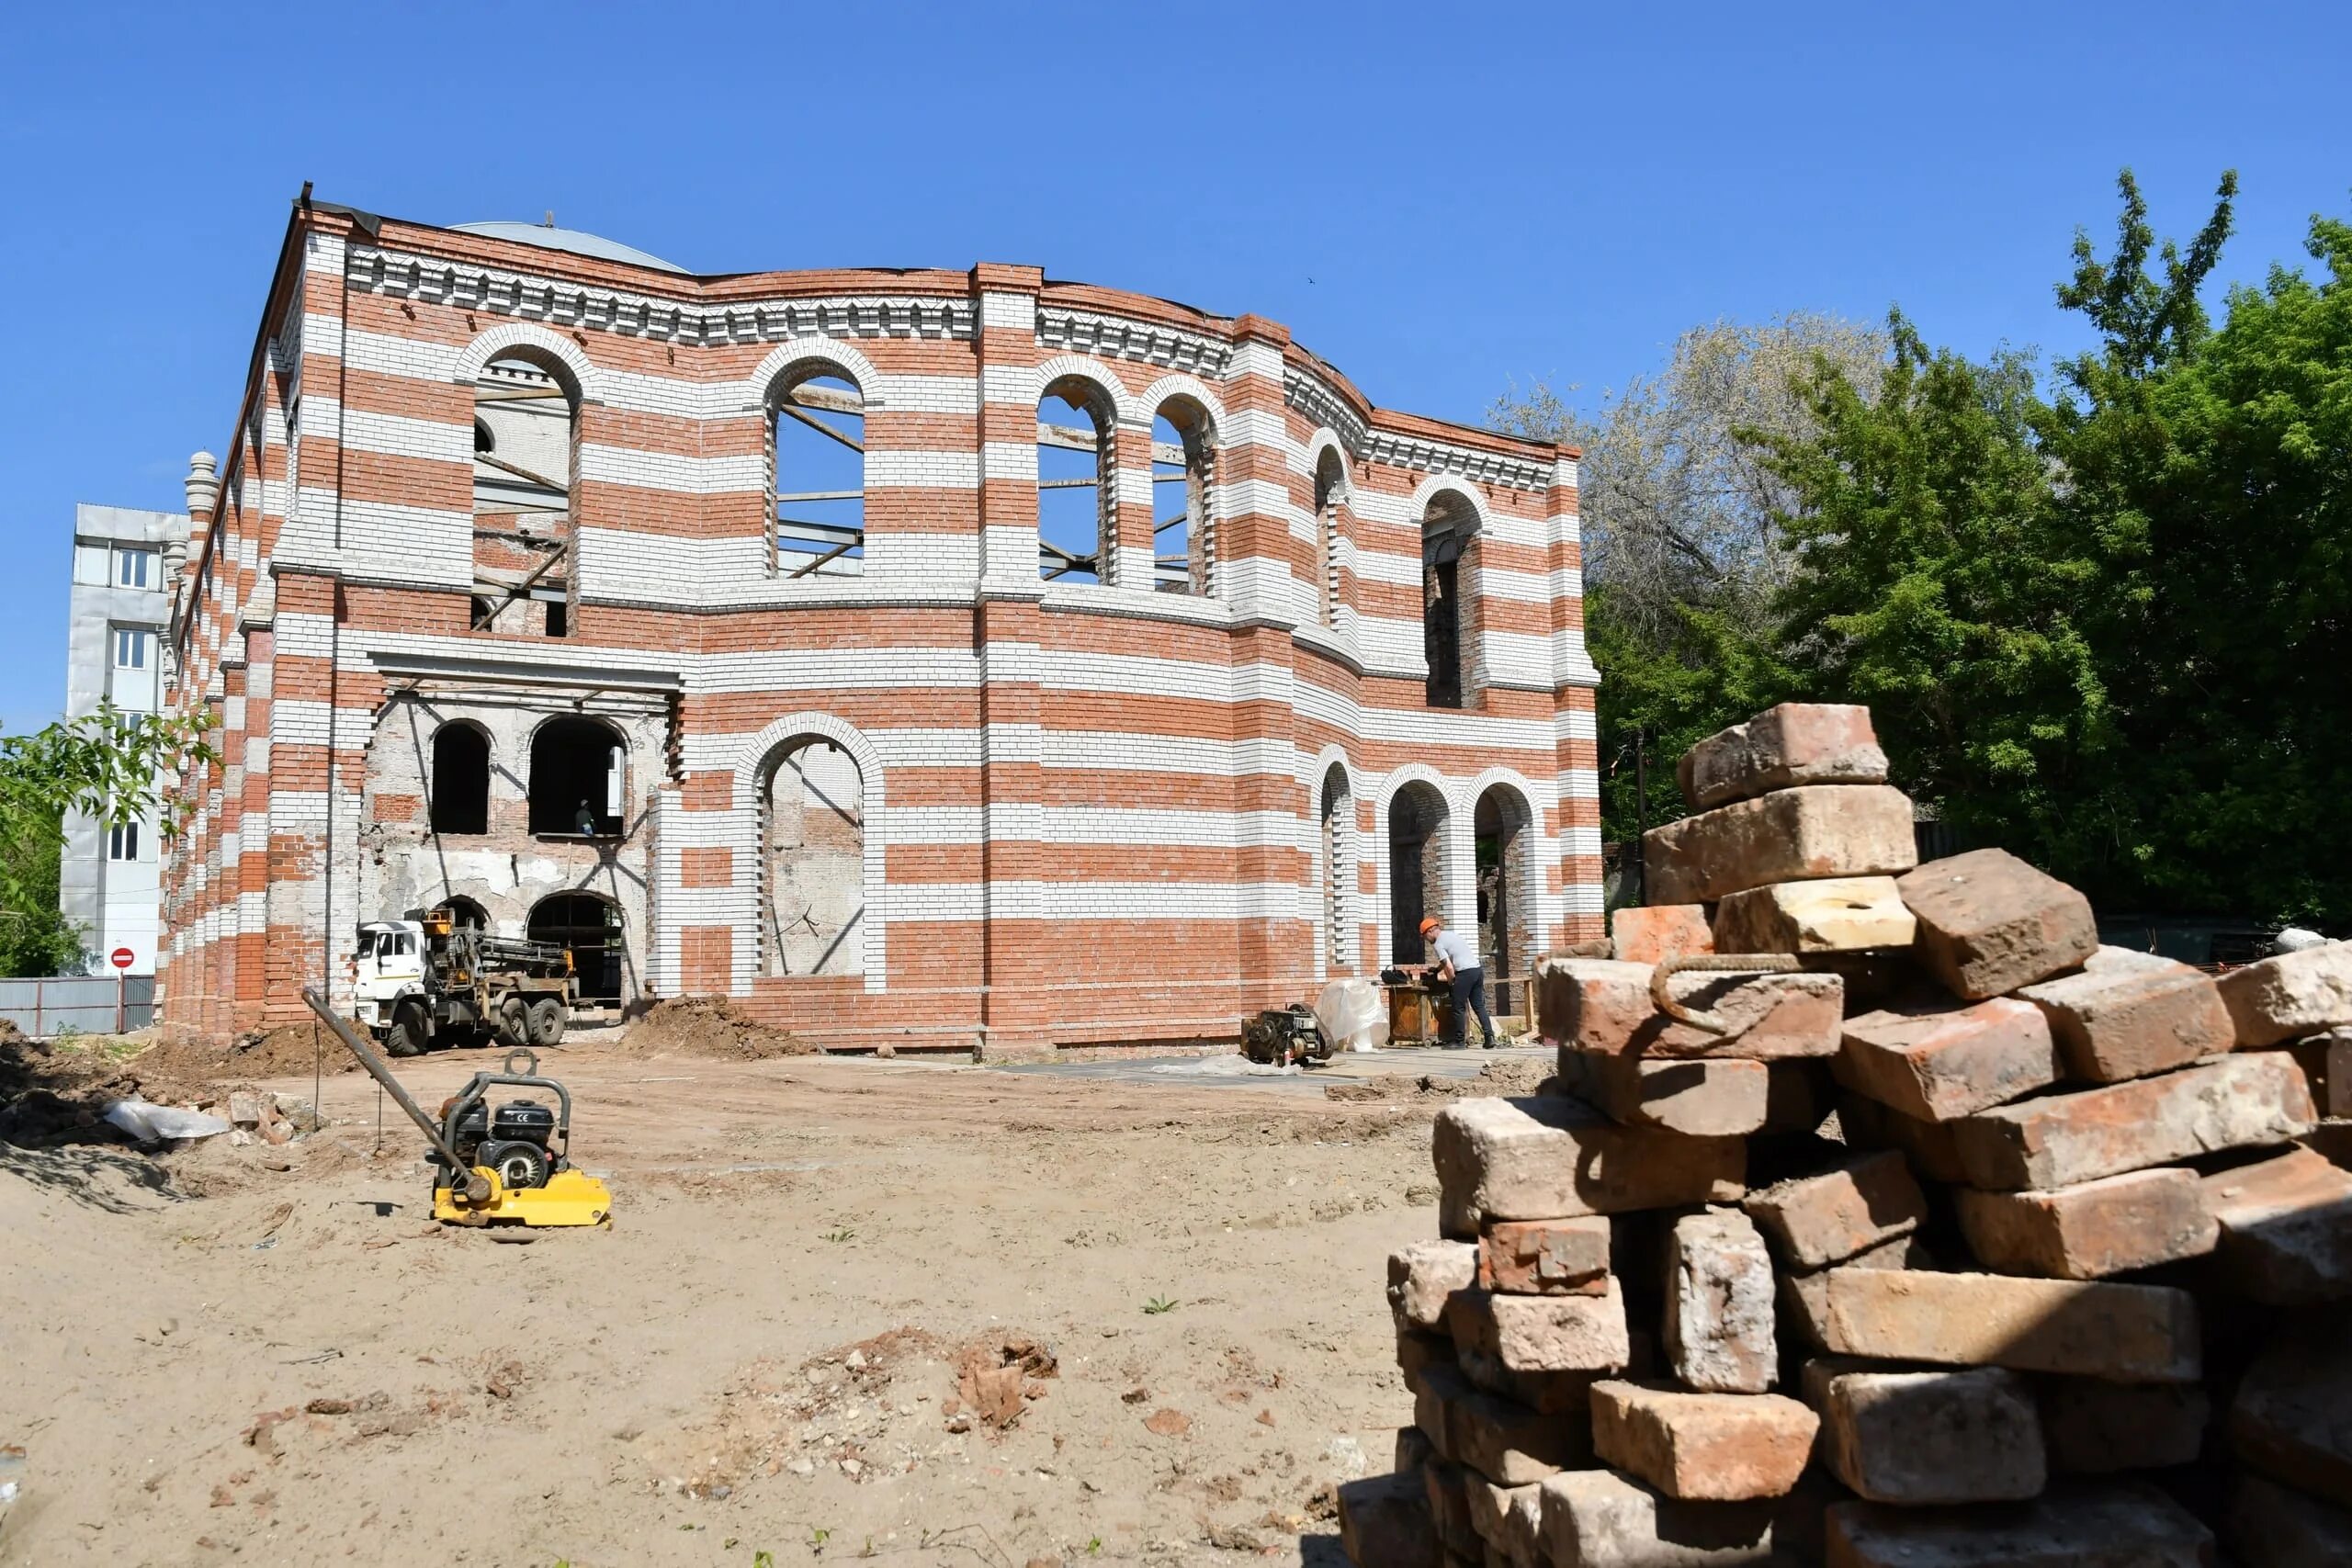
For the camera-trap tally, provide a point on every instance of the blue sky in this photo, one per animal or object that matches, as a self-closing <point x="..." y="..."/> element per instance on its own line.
<point x="1438" y="200"/>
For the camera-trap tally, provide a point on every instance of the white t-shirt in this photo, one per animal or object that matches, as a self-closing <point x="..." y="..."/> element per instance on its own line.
<point x="1451" y="947"/>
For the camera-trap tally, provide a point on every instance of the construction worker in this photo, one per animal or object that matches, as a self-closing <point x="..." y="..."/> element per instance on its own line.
<point x="1458" y="967"/>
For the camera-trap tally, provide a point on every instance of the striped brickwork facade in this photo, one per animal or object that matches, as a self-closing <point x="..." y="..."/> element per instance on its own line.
<point x="1091" y="813"/>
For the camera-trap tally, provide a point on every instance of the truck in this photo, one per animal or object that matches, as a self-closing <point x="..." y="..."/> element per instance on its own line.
<point x="425" y="980"/>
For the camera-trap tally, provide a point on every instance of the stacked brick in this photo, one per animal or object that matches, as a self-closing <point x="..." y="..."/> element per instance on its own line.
<point x="1908" y="1225"/>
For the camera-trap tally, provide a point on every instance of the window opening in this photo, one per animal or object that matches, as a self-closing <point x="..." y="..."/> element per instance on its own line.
<point x="1447" y="528"/>
<point x="525" y="440"/>
<point x="460" y="802"/>
<point x="132" y="568"/>
<point x="817" y="470"/>
<point x="815" y="842"/>
<point x="122" y="841"/>
<point x="1506" y="893"/>
<point x="576" y="780"/>
<point x="1183" y="454"/>
<point x="1076" y="489"/>
<point x="1331" y="484"/>
<point x="131" y="648"/>
<point x="1339" y="869"/>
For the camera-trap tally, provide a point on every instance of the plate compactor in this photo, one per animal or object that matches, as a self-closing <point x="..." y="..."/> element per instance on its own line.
<point x="493" y="1163"/>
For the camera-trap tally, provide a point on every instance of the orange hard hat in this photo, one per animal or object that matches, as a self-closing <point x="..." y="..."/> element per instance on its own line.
<point x="1429" y="924"/>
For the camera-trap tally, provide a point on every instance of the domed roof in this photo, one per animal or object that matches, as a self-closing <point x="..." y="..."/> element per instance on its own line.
<point x="578" y="241"/>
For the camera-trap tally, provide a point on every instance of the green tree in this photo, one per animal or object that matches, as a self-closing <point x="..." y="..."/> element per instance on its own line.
<point x="110" y="765"/>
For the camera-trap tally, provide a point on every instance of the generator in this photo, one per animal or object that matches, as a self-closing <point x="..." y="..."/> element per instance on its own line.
<point x="1280" y="1037"/>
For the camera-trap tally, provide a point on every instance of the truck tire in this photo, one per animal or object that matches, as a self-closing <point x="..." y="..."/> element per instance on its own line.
<point x="514" y="1022"/>
<point x="406" y="1036"/>
<point x="547" y="1018"/>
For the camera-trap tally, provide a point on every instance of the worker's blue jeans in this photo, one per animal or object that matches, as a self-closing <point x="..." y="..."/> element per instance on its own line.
<point x="1469" y="992"/>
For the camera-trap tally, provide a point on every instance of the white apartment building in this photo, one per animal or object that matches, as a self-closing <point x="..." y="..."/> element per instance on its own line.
<point x="108" y="879"/>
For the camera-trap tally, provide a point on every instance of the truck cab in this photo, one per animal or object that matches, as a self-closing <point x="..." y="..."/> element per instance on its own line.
<point x="390" y="965"/>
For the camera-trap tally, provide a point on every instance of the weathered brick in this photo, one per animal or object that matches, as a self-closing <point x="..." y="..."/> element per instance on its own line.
<point x="1794" y="743"/>
<point x="2062" y="1139"/>
<point x="1440" y="1390"/>
<point x="1385" y="1523"/>
<point x="1414" y="1449"/>
<point x="2291" y="994"/>
<point x="2088" y="1232"/>
<point x="1552" y="1156"/>
<point x="1421" y="1277"/>
<point x="1706" y="1097"/>
<point x="1508" y="1519"/>
<point x="1804" y="1295"/>
<point x="2286" y="1229"/>
<point x="1789" y="835"/>
<point x="1933" y="1152"/>
<point x="1723" y="1448"/>
<point x="1445" y="1484"/>
<point x="2292" y="1417"/>
<point x="1500" y="1437"/>
<point x="2092" y="1427"/>
<point x="1419" y="1349"/>
<point x="1938" y="1063"/>
<point x="2111" y="1525"/>
<point x="1989" y="922"/>
<point x="2278" y="1527"/>
<point x="1719" y="1304"/>
<point x="1644" y="934"/>
<point x="1599" y="1518"/>
<point x="1823" y="1219"/>
<point x="1836" y="914"/>
<point x="1599" y="1005"/>
<point x="1542" y="1334"/>
<point x="1925" y="1437"/>
<point x="2326" y="1061"/>
<point x="1544" y="1257"/>
<point x="2129" y="1333"/>
<point x="2129" y="1014"/>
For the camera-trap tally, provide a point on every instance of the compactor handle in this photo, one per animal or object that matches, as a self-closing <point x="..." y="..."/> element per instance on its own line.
<point x="476" y="1189"/>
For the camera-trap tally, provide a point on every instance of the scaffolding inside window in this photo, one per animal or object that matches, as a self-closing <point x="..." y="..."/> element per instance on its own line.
<point x="818" y="442"/>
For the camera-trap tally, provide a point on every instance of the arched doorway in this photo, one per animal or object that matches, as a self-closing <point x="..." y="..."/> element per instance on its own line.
<point x="1417" y="880"/>
<point x="1501" y="827"/>
<point x="589" y="927"/>
<point x="813" y="841"/>
<point x="465" y="915"/>
<point x="577" y="779"/>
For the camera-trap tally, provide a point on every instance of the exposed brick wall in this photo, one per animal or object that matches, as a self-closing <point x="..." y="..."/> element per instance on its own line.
<point x="1090" y="814"/>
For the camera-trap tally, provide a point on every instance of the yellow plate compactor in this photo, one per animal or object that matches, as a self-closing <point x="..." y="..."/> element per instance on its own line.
<point x="506" y="1164"/>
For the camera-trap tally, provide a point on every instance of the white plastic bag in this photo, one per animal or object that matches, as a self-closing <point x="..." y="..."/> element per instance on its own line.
<point x="151" y="1124"/>
<point x="1351" y="1016"/>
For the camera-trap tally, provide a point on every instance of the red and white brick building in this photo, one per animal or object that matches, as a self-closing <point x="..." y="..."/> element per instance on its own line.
<point x="514" y="591"/>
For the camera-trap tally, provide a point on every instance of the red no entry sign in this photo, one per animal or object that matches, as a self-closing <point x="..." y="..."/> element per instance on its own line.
<point x="120" y="957"/>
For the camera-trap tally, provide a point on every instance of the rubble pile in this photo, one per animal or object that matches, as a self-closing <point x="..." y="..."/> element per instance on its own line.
<point x="1880" y="1216"/>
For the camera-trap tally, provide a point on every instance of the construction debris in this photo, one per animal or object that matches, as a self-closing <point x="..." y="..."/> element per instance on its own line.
<point x="2066" y="1276"/>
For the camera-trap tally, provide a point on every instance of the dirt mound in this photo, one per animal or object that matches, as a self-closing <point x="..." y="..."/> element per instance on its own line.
<point x="1511" y="1076"/>
<point x="709" y="1027"/>
<point x="290" y="1051"/>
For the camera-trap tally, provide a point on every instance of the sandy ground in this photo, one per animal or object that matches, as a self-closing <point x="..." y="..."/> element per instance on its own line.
<point x="759" y="1361"/>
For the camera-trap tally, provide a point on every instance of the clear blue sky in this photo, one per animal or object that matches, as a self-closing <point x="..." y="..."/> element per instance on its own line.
<point x="1437" y="199"/>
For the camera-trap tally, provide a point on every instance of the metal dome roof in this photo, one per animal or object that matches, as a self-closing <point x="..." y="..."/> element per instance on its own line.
<point x="578" y="241"/>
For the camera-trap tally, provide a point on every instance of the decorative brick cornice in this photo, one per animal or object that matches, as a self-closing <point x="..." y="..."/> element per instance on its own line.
<point x="1311" y="395"/>
<point x="502" y="292"/>
<point x="1114" y="337"/>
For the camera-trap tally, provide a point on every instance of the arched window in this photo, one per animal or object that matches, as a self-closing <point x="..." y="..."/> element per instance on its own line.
<point x="589" y="928"/>
<point x="1331" y="490"/>
<point x="1183" y="453"/>
<point x="460" y="798"/>
<point x="813" y="836"/>
<point x="1502" y="827"/>
<point x="1448" y="526"/>
<point x="578" y="779"/>
<point x="526" y="433"/>
<point x="1339" y="869"/>
<point x="1416" y="862"/>
<point x="1076" y="486"/>
<point x="817" y="473"/>
<point x="465" y="915"/>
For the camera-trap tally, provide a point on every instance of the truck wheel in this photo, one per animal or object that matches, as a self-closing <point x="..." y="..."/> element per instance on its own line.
<point x="547" y="1018"/>
<point x="406" y="1036"/>
<point x="514" y="1021"/>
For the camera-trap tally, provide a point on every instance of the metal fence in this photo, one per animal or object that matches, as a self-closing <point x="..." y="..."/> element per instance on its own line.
<point x="90" y="1004"/>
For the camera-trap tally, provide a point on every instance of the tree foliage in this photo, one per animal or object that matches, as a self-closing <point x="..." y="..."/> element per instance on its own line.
<point x="2105" y="626"/>
<point x="109" y="764"/>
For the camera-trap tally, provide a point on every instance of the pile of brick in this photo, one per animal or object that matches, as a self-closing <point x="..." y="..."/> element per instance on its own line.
<point x="1923" y="1231"/>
